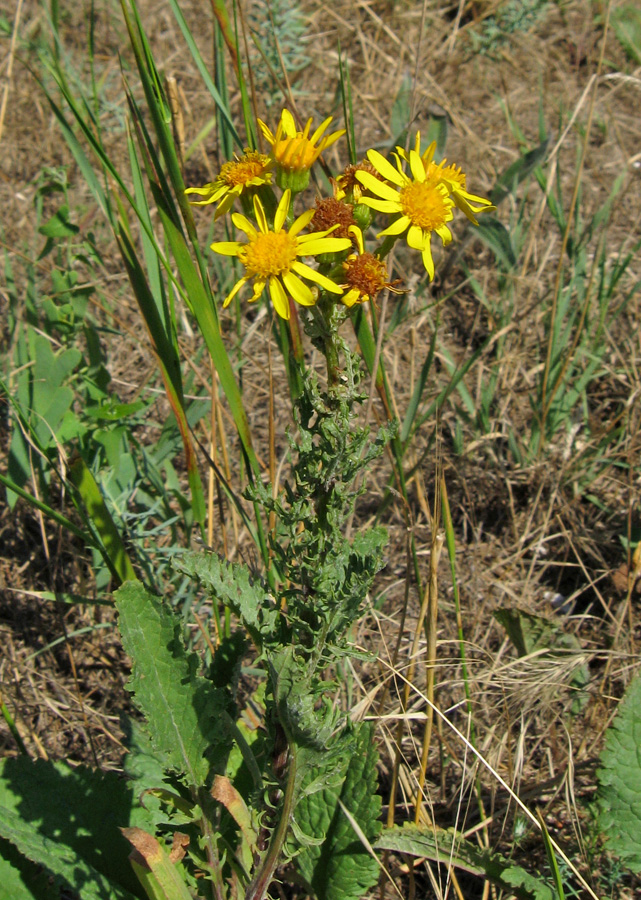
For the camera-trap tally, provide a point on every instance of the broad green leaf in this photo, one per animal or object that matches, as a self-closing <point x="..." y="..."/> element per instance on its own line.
<point x="183" y="710"/>
<point x="340" y="868"/>
<point x="21" y="879"/>
<point x="64" y="863"/>
<point x="450" y="848"/>
<point x="69" y="820"/>
<point x="619" y="793"/>
<point x="233" y="585"/>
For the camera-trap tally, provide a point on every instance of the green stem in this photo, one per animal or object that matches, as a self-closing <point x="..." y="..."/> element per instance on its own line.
<point x="257" y="890"/>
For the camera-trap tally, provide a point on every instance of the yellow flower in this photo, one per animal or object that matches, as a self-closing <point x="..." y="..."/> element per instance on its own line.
<point x="294" y="151"/>
<point x="422" y="206"/>
<point x="250" y="170"/>
<point x="452" y="177"/>
<point x="270" y="256"/>
<point x="365" y="274"/>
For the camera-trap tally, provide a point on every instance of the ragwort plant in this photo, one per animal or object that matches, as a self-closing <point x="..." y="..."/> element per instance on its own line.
<point x="235" y="783"/>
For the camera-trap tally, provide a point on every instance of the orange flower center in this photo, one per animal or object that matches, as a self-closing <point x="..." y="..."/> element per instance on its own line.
<point x="269" y="254"/>
<point x="425" y="205"/>
<point x="243" y="171"/>
<point x="366" y="273"/>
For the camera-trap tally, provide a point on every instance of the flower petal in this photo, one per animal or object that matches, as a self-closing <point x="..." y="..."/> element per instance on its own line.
<point x="358" y="234"/>
<point x="240" y="221"/>
<point x="386" y="206"/>
<point x="321" y="128"/>
<point x="269" y="137"/>
<point x="386" y="169"/>
<point x="416" y="238"/>
<point x="282" y="210"/>
<point x="331" y="139"/>
<point x="239" y="284"/>
<point x="259" y="212"/>
<point x="445" y="234"/>
<point x="289" y="130"/>
<point x="397" y="227"/>
<point x="279" y="297"/>
<point x="376" y="186"/>
<point x="259" y="287"/>
<point x="316" y="245"/>
<point x="312" y="275"/>
<point x="302" y="222"/>
<point x="351" y="297"/>
<point x="227" y="248"/>
<point x="428" y="262"/>
<point x="417" y="167"/>
<point x="298" y="289"/>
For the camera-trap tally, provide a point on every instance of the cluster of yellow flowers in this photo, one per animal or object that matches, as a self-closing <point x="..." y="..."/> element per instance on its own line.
<point x="416" y="193"/>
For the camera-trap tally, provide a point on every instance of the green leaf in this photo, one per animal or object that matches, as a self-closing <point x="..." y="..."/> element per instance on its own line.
<point x="61" y="860"/>
<point x="98" y="512"/>
<point x="510" y="179"/>
<point x="183" y="710"/>
<point x="68" y="820"/>
<point x="340" y="868"/>
<point x="59" y="225"/>
<point x="21" y="879"/>
<point x="619" y="793"/>
<point x="448" y="846"/>
<point x="234" y="586"/>
<point x="496" y="236"/>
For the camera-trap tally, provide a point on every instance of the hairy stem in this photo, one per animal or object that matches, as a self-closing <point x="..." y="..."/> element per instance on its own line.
<point x="257" y="890"/>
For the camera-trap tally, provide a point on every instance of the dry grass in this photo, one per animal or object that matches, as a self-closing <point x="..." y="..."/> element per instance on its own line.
<point x="524" y="534"/>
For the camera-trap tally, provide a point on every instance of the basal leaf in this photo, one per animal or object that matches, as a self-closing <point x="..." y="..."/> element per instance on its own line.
<point x="183" y="709"/>
<point x="340" y="868"/>
<point x="61" y="860"/>
<point x="21" y="879"/>
<point x="80" y="809"/>
<point x="619" y="794"/>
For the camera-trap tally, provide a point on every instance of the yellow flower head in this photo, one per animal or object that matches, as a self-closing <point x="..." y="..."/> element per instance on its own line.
<point x="365" y="274"/>
<point x="452" y="177"/>
<point x="421" y="206"/>
<point x="250" y="170"/>
<point x="270" y="256"/>
<point x="294" y="151"/>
